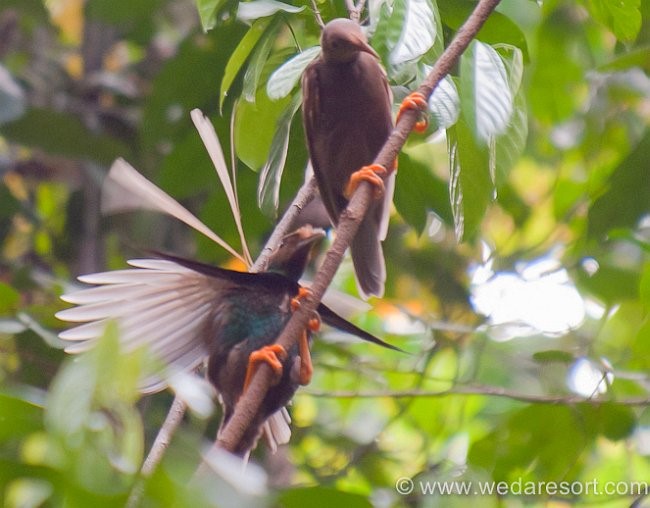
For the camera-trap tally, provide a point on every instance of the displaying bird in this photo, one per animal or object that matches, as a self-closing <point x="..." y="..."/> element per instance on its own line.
<point x="347" y="118"/>
<point x="185" y="311"/>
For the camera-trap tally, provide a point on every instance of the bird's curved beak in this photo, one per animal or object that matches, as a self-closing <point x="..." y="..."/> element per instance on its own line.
<point x="365" y="47"/>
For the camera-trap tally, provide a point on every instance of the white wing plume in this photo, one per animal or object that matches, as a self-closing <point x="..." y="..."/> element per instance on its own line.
<point x="157" y="303"/>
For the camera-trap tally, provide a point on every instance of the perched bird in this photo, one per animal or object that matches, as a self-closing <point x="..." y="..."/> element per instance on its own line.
<point x="347" y="118"/>
<point x="186" y="311"/>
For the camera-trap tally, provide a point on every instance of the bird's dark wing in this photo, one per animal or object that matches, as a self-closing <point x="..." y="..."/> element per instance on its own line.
<point x="331" y="318"/>
<point x="262" y="279"/>
<point x="314" y="121"/>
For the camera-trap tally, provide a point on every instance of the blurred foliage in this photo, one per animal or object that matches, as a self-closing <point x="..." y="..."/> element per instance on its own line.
<point x="529" y="337"/>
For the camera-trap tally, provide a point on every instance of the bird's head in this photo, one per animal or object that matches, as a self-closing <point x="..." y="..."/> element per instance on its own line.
<point x="342" y="40"/>
<point x="291" y="256"/>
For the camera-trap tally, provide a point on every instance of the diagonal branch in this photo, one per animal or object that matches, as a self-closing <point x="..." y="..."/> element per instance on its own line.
<point x="349" y="221"/>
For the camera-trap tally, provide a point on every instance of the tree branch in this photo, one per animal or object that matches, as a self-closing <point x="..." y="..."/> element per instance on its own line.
<point x="177" y="410"/>
<point x="490" y="391"/>
<point x="349" y="221"/>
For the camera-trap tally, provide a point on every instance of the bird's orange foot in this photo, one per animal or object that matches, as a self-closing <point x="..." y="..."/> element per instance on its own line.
<point x="372" y="174"/>
<point x="417" y="102"/>
<point x="306" y="365"/>
<point x="272" y="355"/>
<point x="295" y="301"/>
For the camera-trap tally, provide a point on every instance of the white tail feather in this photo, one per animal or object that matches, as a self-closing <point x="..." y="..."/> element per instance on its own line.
<point x="211" y="142"/>
<point x="124" y="180"/>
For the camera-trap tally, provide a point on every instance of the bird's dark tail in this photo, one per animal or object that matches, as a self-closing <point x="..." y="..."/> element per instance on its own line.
<point x="368" y="258"/>
<point x="331" y="318"/>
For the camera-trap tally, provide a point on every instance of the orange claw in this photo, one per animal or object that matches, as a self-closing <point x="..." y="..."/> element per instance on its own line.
<point x="272" y="355"/>
<point x="369" y="174"/>
<point x="306" y="366"/>
<point x="417" y="102"/>
<point x="295" y="301"/>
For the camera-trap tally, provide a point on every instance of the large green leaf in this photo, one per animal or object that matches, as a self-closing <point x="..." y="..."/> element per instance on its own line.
<point x="209" y="11"/>
<point x="418" y="191"/>
<point x="255" y="9"/>
<point x="622" y="17"/>
<point x="627" y="196"/>
<point x="486" y="97"/>
<point x="255" y="127"/>
<point x="259" y="60"/>
<point x="444" y="103"/>
<point x="498" y="28"/>
<point x="19" y="417"/>
<point x="268" y="194"/>
<point x="419" y="31"/>
<point x="470" y="184"/>
<point x="287" y="76"/>
<point x="241" y="54"/>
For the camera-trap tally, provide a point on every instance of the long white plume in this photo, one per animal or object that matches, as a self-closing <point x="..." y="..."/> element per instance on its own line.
<point x="126" y="189"/>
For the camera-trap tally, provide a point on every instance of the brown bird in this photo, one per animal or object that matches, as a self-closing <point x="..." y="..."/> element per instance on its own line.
<point x="347" y="118"/>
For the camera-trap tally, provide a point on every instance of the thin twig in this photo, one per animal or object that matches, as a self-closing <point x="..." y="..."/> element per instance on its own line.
<point x="490" y="391"/>
<point x="158" y="448"/>
<point x="316" y="11"/>
<point x="349" y="221"/>
<point x="356" y="9"/>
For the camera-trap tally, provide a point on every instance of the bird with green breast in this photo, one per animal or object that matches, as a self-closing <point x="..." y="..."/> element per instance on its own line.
<point x="186" y="312"/>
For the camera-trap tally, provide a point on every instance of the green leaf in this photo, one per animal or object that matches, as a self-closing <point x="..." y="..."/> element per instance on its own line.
<point x="419" y="31"/>
<point x="621" y="17"/>
<point x="444" y="103"/>
<point x="627" y="196"/>
<point x="255" y="128"/>
<point x="208" y="11"/>
<point x="62" y="134"/>
<point x="321" y="497"/>
<point x="240" y="55"/>
<point x="286" y="77"/>
<point x="259" y="60"/>
<point x="611" y="284"/>
<point x="470" y="185"/>
<point x="249" y="11"/>
<point x="19" y="417"/>
<point x="617" y="422"/>
<point x="486" y="98"/>
<point x="388" y="30"/>
<point x="497" y="29"/>
<point x="418" y="191"/>
<point x="268" y="193"/>
<point x="9" y="298"/>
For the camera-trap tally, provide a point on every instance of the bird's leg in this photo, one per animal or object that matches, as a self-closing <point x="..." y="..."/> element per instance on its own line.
<point x="272" y="355"/>
<point x="372" y="174"/>
<point x="417" y="102"/>
<point x="306" y="365"/>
